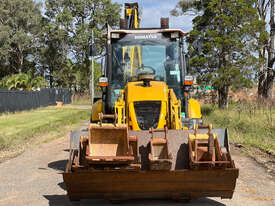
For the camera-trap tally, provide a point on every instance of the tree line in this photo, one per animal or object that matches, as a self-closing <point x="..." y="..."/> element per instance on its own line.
<point x="231" y="45"/>
<point x="50" y="43"/>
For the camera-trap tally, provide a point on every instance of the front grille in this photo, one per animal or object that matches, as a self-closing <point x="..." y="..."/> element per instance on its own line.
<point x="147" y="114"/>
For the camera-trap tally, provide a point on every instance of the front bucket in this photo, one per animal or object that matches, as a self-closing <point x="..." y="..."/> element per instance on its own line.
<point x="150" y="184"/>
<point x="179" y="182"/>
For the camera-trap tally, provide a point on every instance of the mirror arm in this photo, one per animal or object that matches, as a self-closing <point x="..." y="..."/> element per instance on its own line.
<point x="182" y="61"/>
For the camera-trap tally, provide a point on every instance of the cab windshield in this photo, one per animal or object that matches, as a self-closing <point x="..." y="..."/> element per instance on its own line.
<point x="145" y="53"/>
<point x="135" y="54"/>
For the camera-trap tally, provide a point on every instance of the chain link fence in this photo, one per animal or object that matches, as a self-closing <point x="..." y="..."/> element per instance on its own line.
<point x="11" y="101"/>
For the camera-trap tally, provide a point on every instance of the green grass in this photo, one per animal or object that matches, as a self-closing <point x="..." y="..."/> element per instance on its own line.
<point x="21" y="127"/>
<point x="247" y="125"/>
<point x="82" y="102"/>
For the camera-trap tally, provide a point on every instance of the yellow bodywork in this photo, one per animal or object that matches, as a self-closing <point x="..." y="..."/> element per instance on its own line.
<point x="194" y="109"/>
<point x="135" y="91"/>
<point x="175" y="111"/>
<point x="134" y="52"/>
<point x="157" y="91"/>
<point x="131" y="67"/>
<point x="120" y="109"/>
<point x="129" y="12"/>
<point x="170" y="112"/>
<point x="96" y="109"/>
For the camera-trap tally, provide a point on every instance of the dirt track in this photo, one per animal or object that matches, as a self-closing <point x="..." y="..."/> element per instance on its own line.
<point x="34" y="178"/>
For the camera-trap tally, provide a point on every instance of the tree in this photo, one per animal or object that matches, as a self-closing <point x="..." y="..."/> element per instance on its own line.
<point x="24" y="81"/>
<point x="19" y="28"/>
<point x="53" y="51"/>
<point x="81" y="80"/>
<point x="187" y="6"/>
<point x="3" y="82"/>
<point x="78" y="18"/>
<point x="266" y="73"/>
<point x="66" y="75"/>
<point x="222" y="43"/>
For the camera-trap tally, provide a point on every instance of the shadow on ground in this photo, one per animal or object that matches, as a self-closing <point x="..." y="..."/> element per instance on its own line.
<point x="60" y="200"/>
<point x="62" y="185"/>
<point x="63" y="200"/>
<point x="59" y="165"/>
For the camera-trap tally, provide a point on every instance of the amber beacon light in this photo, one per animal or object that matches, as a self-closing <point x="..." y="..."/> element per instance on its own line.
<point x="188" y="80"/>
<point x="103" y="82"/>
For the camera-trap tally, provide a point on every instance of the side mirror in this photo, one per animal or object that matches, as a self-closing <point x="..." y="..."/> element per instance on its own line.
<point x="103" y="82"/>
<point x="92" y="50"/>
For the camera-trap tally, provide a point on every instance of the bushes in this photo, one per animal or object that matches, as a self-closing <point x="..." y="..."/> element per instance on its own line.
<point x="22" y="81"/>
<point x="248" y="124"/>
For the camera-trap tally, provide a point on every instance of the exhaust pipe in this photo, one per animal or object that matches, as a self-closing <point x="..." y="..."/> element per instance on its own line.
<point x="123" y="24"/>
<point x="164" y="23"/>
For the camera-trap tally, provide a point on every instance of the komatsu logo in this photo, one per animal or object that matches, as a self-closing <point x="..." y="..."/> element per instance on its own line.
<point x="146" y="36"/>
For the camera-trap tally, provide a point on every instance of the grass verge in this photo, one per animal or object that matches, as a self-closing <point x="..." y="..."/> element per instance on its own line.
<point x="247" y="125"/>
<point x="21" y="128"/>
<point x="81" y="99"/>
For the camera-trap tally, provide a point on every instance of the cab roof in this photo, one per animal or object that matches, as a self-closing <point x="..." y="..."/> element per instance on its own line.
<point x="146" y="31"/>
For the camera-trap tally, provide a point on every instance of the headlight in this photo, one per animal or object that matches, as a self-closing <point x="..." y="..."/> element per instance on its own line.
<point x="190" y="122"/>
<point x="195" y="121"/>
<point x="200" y="121"/>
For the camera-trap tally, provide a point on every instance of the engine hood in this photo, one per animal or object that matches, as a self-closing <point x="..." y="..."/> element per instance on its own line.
<point x="136" y="91"/>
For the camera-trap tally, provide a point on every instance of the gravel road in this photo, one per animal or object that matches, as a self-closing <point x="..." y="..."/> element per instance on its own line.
<point x="34" y="178"/>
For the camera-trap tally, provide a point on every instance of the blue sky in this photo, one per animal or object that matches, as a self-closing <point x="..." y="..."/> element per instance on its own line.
<point x="153" y="10"/>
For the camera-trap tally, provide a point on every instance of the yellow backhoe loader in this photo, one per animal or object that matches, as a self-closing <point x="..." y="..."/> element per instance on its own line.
<point x="146" y="138"/>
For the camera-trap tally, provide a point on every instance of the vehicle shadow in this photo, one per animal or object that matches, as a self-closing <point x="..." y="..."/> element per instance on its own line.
<point x="63" y="200"/>
<point x="59" y="165"/>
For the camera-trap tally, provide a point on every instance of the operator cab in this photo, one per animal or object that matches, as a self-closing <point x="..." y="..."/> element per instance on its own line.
<point x="139" y="52"/>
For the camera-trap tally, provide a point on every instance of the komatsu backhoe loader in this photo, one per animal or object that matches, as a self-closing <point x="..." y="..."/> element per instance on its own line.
<point x="146" y="138"/>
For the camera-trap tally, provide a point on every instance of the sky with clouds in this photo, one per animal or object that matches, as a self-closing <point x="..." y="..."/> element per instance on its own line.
<point x="153" y="10"/>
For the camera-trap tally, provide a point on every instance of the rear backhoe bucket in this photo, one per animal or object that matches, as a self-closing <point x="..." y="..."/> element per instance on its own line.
<point x="178" y="182"/>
